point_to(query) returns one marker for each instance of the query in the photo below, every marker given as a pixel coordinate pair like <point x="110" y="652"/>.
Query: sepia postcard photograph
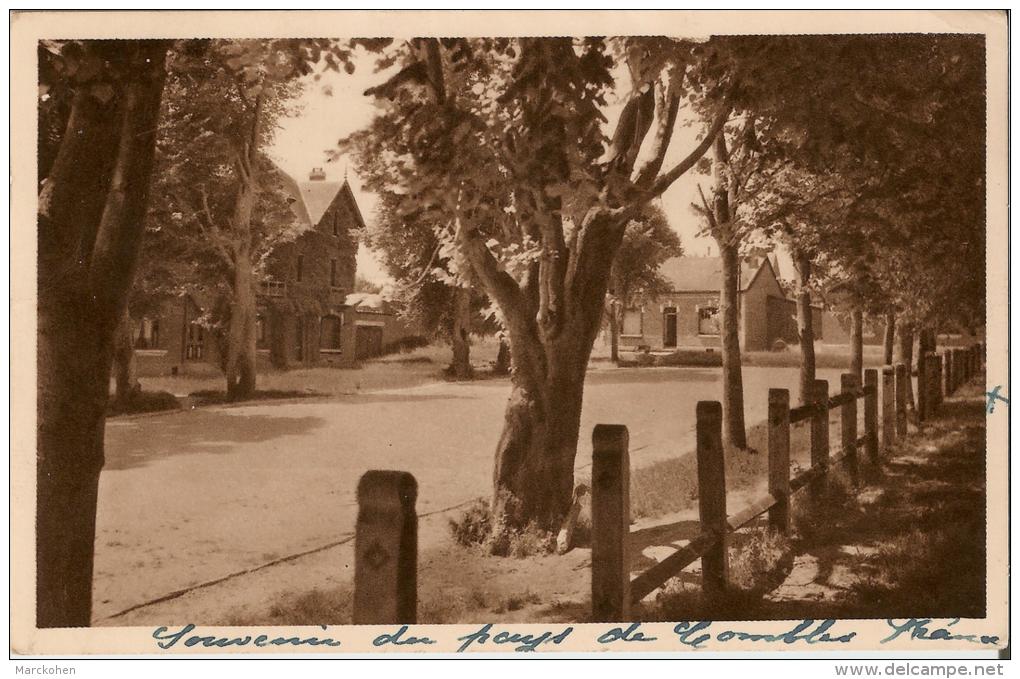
<point x="519" y="333"/>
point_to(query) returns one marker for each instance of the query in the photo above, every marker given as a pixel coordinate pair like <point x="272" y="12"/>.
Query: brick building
<point x="688" y="315"/>
<point x="308" y="312"/>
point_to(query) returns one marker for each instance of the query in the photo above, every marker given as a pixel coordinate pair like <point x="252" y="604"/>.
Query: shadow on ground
<point x="197" y="432"/>
<point x="908" y="540"/>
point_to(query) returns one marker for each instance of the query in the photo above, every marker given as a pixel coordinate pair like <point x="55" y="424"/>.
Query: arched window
<point x="329" y="333"/>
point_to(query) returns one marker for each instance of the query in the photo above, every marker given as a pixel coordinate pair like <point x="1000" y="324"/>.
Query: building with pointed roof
<point x="308" y="311"/>
<point x="687" y="316"/>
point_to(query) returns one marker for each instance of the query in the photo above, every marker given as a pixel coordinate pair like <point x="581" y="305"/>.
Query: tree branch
<point x="664" y="181"/>
<point x="667" y="104"/>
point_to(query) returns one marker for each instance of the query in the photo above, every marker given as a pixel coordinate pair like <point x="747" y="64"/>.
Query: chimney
<point x="317" y="175"/>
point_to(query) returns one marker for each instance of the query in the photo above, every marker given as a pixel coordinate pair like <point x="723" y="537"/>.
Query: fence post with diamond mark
<point x="386" y="549"/>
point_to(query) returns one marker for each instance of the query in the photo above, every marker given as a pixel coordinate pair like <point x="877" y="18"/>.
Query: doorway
<point x="669" y="327"/>
<point x="368" y="341"/>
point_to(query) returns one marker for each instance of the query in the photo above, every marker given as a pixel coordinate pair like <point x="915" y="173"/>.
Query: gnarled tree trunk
<point x="805" y="324"/>
<point x="91" y="216"/>
<point x="550" y="345"/>
<point x="460" y="335"/>
<point x="533" y="477"/>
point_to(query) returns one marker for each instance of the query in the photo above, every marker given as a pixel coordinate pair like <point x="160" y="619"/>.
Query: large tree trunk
<point x="91" y="217"/>
<point x="533" y="473"/>
<point x="905" y="355"/>
<point x="805" y="325"/>
<point x="733" y="384"/>
<point x="125" y="383"/>
<point x="533" y="477"/>
<point x="857" y="344"/>
<point x="460" y="335"/>
<point x="241" y="335"/>
<point x="888" y="340"/>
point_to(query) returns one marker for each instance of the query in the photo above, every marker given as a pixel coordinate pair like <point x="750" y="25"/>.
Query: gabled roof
<point x="702" y="274"/>
<point x="313" y="198"/>
<point x="317" y="197"/>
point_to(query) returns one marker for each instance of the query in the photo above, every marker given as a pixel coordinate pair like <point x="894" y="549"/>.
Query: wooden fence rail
<point x="386" y="539"/>
<point x="710" y="543"/>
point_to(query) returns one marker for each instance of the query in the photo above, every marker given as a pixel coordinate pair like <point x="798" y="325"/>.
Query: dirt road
<point x="190" y="497"/>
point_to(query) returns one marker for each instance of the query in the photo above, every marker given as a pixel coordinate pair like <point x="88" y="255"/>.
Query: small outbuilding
<point x="687" y="316"/>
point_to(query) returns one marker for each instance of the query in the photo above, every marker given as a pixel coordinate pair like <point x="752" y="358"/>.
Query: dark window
<point x="300" y="268"/>
<point x="329" y="333"/>
<point x="332" y="272"/>
<point x="708" y="320"/>
<point x="336" y="224"/>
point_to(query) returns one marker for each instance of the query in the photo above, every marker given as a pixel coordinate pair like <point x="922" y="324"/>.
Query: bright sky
<point x="304" y="140"/>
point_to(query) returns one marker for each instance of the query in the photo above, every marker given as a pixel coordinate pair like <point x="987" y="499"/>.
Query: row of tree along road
<point x="502" y="187"/>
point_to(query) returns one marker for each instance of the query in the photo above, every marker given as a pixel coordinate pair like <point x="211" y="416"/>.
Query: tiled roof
<point x="700" y="274"/>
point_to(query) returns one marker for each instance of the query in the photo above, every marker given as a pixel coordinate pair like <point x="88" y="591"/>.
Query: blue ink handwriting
<point x="818" y="635"/>
<point x="688" y="633"/>
<point x="620" y="634"/>
<point x="994" y="396"/>
<point x="918" y="629"/>
<point x="525" y="642"/>
<point x="166" y="639"/>
<point x="398" y="639"/>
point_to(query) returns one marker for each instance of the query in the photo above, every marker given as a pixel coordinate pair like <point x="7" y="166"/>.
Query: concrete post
<point x="610" y="524"/>
<point x="386" y="549"/>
